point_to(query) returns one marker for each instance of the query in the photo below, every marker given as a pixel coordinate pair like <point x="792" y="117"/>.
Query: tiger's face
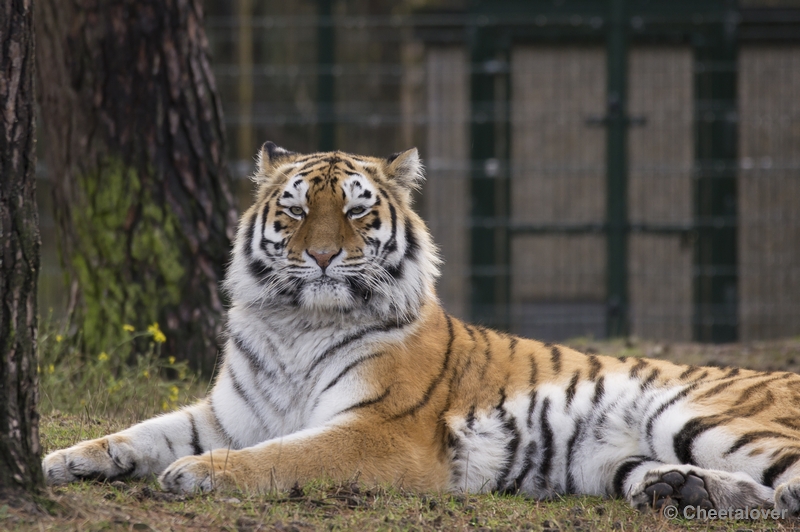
<point x="334" y="233"/>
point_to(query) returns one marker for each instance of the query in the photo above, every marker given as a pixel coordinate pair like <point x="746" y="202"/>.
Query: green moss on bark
<point x="128" y="259"/>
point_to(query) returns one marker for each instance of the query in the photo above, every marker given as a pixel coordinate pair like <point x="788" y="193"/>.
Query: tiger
<point x="339" y="362"/>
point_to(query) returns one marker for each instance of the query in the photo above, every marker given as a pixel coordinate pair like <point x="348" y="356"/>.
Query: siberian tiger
<point x="340" y="361"/>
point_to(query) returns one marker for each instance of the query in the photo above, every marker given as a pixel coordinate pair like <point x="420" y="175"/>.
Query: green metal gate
<point x="710" y="28"/>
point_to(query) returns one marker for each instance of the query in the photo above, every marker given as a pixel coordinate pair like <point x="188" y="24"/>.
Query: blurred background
<point x="595" y="168"/>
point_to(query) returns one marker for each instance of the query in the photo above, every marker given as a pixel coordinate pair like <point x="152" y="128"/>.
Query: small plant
<point x="130" y="378"/>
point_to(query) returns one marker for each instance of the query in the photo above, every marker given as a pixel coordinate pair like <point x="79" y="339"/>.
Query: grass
<point x="106" y="406"/>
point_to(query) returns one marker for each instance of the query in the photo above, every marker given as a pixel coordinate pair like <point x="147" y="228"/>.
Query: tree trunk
<point x="134" y="143"/>
<point x="20" y="467"/>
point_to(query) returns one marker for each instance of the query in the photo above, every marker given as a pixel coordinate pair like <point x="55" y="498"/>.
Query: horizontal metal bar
<point x="516" y="228"/>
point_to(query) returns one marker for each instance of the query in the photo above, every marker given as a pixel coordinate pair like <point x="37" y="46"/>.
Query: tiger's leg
<point x="144" y="449"/>
<point x="338" y="452"/>
<point x="689" y="486"/>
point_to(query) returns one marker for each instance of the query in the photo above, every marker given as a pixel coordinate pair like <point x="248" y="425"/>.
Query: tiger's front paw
<point x="103" y="458"/>
<point x="205" y="472"/>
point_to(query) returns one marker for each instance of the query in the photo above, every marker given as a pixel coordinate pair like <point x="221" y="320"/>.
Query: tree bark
<point x="20" y="469"/>
<point x="134" y="143"/>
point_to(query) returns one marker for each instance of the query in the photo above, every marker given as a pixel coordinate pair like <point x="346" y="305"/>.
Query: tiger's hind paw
<point x="685" y="486"/>
<point x="672" y="489"/>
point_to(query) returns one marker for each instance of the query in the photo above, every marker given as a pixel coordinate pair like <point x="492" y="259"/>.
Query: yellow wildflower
<point x="173" y="393"/>
<point x="59" y="338"/>
<point x="51" y="369"/>
<point x="164" y="405"/>
<point x="156" y="333"/>
<point x="102" y="357"/>
<point x="146" y="374"/>
<point x="129" y="328"/>
<point x="171" y="360"/>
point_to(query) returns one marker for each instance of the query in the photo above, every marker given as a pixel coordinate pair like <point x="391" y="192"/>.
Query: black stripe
<point x="487" y="353"/>
<point x="623" y="471"/>
<point x="196" y="448"/>
<point x="239" y="389"/>
<point x="512" y="347"/>
<point x="228" y="437"/>
<point x="599" y="390"/>
<point x="455" y="381"/>
<point x="509" y="426"/>
<point x="772" y="473"/>
<point x="530" y="449"/>
<point x="349" y="368"/>
<point x="731" y="373"/>
<point x="750" y="437"/>
<point x="715" y="390"/>
<point x="264" y="216"/>
<point x="650" y="378"/>
<point x="531" y="406"/>
<point x="789" y="422"/>
<point x="470" y="332"/>
<point x="571" y="446"/>
<point x="750" y="390"/>
<point x="663" y="408"/>
<point x="259" y="269"/>
<point x="367" y="402"/>
<point x="470" y="417"/>
<point x="249" y="234"/>
<point x="534" y="372"/>
<point x="266" y="395"/>
<point x="684" y="439"/>
<point x="169" y="445"/>
<point x="254" y="361"/>
<point x="689" y="371"/>
<point x="391" y="244"/>
<point x="426" y="397"/>
<point x="751" y="410"/>
<point x="594" y="367"/>
<point x="353" y="338"/>
<point x="547" y="441"/>
<point x="573" y="385"/>
<point x="502" y="401"/>
<point x="637" y="368"/>
<point x="555" y="358"/>
<point x="412" y="243"/>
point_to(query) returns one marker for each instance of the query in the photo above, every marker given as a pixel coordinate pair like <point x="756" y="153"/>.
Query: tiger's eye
<point x="355" y="211"/>
<point x="297" y="211"/>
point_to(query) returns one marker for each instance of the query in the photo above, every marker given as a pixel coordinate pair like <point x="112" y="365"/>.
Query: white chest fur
<point x="284" y="373"/>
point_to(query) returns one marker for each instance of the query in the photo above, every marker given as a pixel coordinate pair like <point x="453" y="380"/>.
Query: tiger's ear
<point x="406" y="168"/>
<point x="269" y="157"/>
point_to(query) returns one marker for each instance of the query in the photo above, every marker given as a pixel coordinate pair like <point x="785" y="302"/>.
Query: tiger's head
<point x="334" y="234"/>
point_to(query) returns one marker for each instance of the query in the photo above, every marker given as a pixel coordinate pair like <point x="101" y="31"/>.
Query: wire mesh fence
<point x="569" y="196"/>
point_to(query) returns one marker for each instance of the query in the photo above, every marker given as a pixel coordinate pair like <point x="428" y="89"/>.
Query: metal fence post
<point x="489" y="173"/>
<point x="715" y="194"/>
<point x="326" y="124"/>
<point x="617" y="171"/>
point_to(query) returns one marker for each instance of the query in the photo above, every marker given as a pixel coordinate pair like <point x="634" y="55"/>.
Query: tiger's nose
<point x="323" y="258"/>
